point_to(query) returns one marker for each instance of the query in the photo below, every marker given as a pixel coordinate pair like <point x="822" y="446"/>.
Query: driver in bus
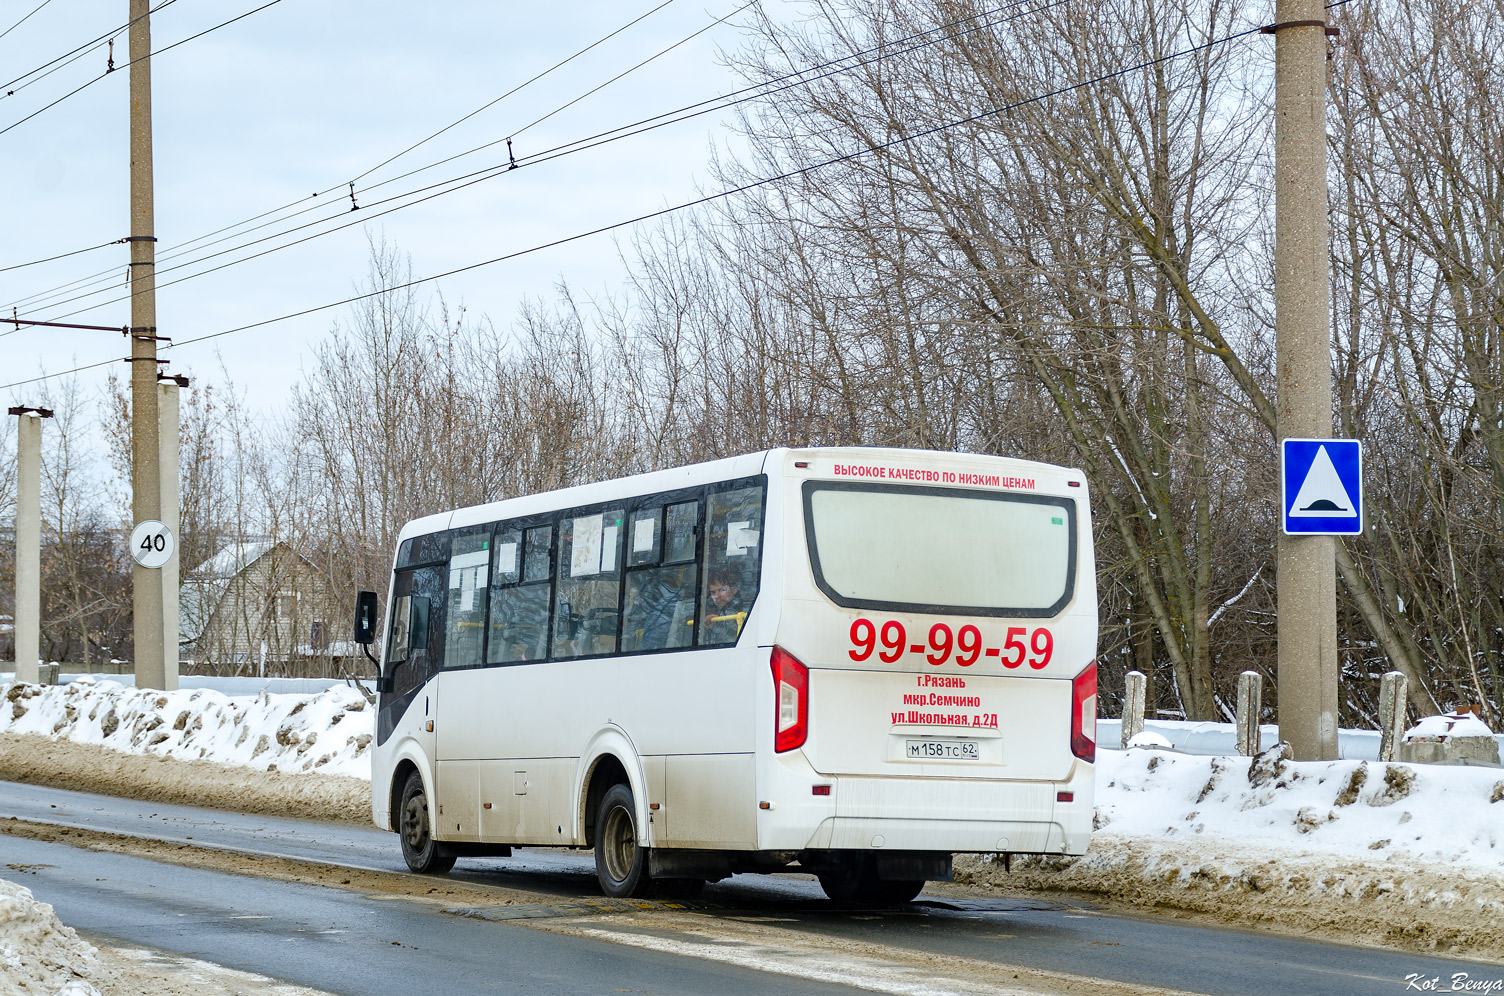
<point x="725" y="615"/>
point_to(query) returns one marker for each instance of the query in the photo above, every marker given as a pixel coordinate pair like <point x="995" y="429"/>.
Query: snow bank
<point x="328" y="732"/>
<point x="1437" y="813"/>
<point x="37" y="953"/>
<point x="1384" y="853"/>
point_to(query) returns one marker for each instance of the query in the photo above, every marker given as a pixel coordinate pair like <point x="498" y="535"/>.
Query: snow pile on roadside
<point x="1440" y="813"/>
<point x="1393" y="852"/>
<point x="37" y="953"/>
<point x="328" y="733"/>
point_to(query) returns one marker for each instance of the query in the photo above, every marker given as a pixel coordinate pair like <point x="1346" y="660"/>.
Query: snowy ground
<point x="328" y="732"/>
<point x="1387" y="853"/>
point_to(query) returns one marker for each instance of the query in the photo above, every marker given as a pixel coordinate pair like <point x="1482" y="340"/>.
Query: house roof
<point x="233" y="559"/>
<point x="201" y="594"/>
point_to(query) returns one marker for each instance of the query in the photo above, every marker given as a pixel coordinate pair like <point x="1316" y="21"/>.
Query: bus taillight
<point x="1084" y="714"/>
<point x="791" y="682"/>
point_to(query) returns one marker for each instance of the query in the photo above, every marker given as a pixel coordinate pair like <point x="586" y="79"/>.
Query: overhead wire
<point x="757" y="91"/>
<point x="626" y="72"/>
<point x="108" y="72"/>
<point x="902" y="139"/>
<point x="42" y="295"/>
<point x="10" y="88"/>
<point x="488" y="105"/>
<point x="24" y="19"/>
<point x="49" y="259"/>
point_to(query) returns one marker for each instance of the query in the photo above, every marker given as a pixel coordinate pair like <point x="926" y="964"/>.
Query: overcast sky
<point x="306" y="95"/>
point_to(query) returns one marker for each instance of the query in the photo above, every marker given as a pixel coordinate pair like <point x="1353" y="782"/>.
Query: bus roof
<point x="728" y="468"/>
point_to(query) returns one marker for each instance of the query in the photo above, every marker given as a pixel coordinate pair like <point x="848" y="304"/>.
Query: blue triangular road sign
<point x="1322" y="486"/>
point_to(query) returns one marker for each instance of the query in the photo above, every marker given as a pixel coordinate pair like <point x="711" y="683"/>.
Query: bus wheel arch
<point x="400" y="775"/>
<point x="606" y="771"/>
<point x="609" y="760"/>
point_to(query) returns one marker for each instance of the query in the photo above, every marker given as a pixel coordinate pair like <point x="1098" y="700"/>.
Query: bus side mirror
<point x="365" y="618"/>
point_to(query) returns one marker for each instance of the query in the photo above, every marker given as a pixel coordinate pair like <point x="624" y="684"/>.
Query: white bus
<point x="853" y="662"/>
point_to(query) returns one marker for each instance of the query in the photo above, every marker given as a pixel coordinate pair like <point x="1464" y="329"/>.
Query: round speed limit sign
<point x="151" y="543"/>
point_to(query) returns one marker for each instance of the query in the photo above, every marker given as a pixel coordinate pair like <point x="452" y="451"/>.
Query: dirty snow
<point x="38" y="955"/>
<point x="1395" y="854"/>
<point x="328" y="732"/>
<point x="1354" y="809"/>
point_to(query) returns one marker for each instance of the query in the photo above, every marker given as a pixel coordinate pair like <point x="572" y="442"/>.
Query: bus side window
<point x="425" y="549"/>
<point x="520" y="580"/>
<point x="469" y="567"/>
<point x="396" y="647"/>
<point x="590" y="555"/>
<point x="419" y="626"/>
<point x="645" y="537"/>
<point x="415" y="645"/>
<point x="659" y="609"/>
<point x="733" y="560"/>
<point x="679" y="535"/>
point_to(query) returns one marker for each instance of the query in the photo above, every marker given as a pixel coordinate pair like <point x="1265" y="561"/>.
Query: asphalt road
<point x="204" y="914"/>
<point x="343" y="942"/>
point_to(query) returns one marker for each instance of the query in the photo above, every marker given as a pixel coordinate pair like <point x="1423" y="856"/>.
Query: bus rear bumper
<point x="957" y="815"/>
<point x="958" y="836"/>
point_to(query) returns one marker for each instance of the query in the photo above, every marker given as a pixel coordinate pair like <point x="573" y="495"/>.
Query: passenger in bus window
<point x="724" y="615"/>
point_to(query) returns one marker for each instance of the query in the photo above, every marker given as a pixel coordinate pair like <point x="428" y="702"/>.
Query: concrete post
<point x="1307" y="579"/>
<point x="1133" y="706"/>
<point x="1250" y="705"/>
<point x="28" y="545"/>
<point x="167" y="405"/>
<point x="1392" y="692"/>
<point x="146" y="499"/>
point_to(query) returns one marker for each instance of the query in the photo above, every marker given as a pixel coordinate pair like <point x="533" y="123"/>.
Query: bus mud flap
<point x="913" y="866"/>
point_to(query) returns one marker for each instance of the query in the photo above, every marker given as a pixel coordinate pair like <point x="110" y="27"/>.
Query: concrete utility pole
<point x="1307" y="584"/>
<point x="28" y="621"/>
<point x="167" y="397"/>
<point x="145" y="477"/>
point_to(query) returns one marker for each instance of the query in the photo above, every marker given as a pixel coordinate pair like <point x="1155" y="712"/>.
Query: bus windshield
<point x="941" y="550"/>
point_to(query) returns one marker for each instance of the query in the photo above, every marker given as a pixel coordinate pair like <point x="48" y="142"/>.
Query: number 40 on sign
<point x="151" y="543"/>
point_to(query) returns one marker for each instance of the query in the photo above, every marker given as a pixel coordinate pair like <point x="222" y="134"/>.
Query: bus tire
<point x="621" y="864"/>
<point x="856" y="882"/>
<point x="841" y="885"/>
<point x="422" y="853"/>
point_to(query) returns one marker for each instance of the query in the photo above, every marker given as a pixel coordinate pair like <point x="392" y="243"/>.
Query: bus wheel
<point x="842" y="885"/>
<point x="423" y="854"/>
<point x="620" y="864"/>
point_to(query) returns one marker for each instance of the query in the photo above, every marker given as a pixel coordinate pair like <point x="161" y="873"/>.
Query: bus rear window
<point x="941" y="550"/>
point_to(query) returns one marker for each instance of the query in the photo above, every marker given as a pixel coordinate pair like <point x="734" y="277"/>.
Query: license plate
<point x="943" y="750"/>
